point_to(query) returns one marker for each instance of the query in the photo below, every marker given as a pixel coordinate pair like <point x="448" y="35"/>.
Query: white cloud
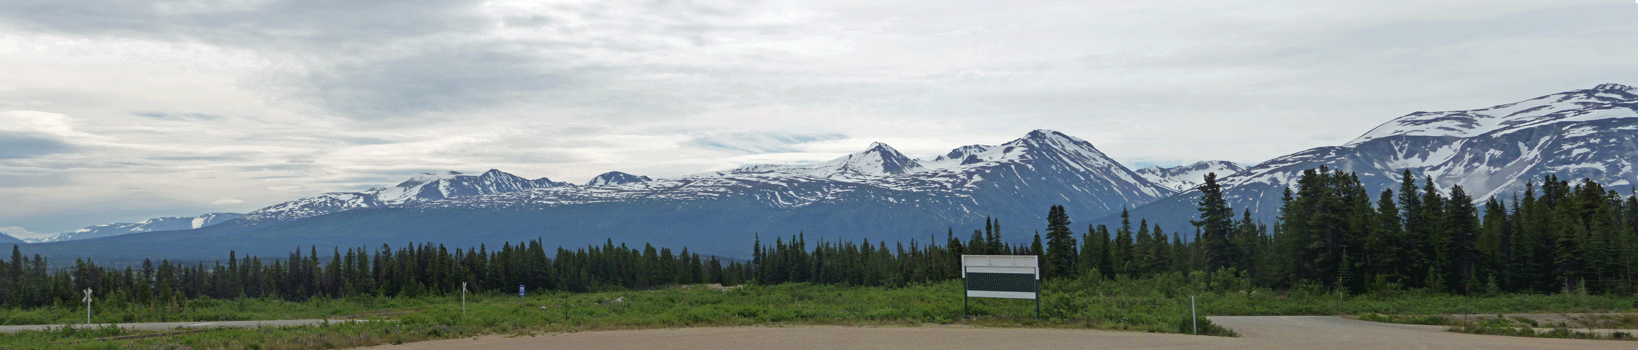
<point x="227" y="201"/>
<point x="191" y="103"/>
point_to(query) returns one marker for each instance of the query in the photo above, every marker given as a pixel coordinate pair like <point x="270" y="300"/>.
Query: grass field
<point x="1159" y="304"/>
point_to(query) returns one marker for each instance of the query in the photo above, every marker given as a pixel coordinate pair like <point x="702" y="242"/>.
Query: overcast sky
<point x="124" y="110"/>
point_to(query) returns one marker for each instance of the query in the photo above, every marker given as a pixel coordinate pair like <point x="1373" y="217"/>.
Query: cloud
<point x="276" y="23"/>
<point x="440" y="79"/>
<point x="177" y="116"/>
<point x="32" y="180"/>
<point x="758" y="143"/>
<point x="20" y="145"/>
<point x="115" y="104"/>
<point x="227" y="201"/>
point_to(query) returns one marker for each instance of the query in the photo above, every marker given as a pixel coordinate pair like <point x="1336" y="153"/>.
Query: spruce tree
<point x="1462" y="232"/>
<point x="1216" y="220"/>
<point x="1060" y="252"/>
<point x="1123" y="245"/>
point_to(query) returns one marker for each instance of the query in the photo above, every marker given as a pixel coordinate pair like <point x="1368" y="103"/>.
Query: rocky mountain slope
<point x="1186" y="177"/>
<point x="423" y="187"/>
<point x="149" y="225"/>
<point x="878" y="193"/>
<point x="1494" y="151"/>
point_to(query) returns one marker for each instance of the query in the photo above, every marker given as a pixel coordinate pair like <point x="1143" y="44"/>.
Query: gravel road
<point x="1257" y="332"/>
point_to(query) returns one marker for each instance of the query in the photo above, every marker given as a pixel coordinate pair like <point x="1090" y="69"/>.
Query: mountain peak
<point x="1187" y="177"/>
<point x="1615" y="87"/>
<point x="1606" y="101"/>
<point x="1044" y="134"/>
<point x="422" y="178"/>
<point x="616" y="178"/>
<point x="878" y="159"/>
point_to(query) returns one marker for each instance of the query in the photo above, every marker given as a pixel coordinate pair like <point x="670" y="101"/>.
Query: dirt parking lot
<point x="1257" y="332"/>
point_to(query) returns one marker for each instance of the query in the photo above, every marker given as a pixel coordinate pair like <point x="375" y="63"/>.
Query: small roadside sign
<point x="87" y="301"/>
<point x="1002" y="276"/>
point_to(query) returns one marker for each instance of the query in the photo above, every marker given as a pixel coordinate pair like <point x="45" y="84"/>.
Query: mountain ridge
<point x="877" y="193"/>
<point x="169" y="223"/>
<point x="1586" y="133"/>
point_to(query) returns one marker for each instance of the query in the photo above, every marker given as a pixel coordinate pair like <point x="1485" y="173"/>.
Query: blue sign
<point x="520" y="291"/>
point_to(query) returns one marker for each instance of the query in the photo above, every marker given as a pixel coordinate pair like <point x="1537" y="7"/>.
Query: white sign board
<point x="1001" y="276"/>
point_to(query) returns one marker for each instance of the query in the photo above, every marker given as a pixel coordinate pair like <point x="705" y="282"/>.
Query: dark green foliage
<point x="1216" y="226"/>
<point x="1060" y="258"/>
<point x="1569" y="239"/>
<point x="414" y="270"/>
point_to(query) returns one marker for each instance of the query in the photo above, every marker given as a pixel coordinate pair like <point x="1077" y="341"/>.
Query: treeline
<point x="412" y="270"/>
<point x="1554" y="237"/>
<point x="1331" y="234"/>
<point x="876" y="264"/>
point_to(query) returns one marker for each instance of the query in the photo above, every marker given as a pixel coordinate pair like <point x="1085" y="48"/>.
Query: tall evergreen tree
<point x="1122" y="252"/>
<point x="1462" y="233"/>
<point x="1216" y="224"/>
<point x="1060" y="252"/>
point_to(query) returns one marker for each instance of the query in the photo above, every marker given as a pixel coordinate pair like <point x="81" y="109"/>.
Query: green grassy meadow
<point x="1156" y="304"/>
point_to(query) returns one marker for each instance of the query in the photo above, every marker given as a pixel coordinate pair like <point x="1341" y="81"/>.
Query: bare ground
<point x="1257" y="332"/>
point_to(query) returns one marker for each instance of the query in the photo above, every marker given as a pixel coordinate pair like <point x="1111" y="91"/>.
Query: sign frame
<point x="1001" y="276"/>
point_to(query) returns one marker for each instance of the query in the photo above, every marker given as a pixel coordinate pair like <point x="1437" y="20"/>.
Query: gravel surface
<point x="1257" y="332"/>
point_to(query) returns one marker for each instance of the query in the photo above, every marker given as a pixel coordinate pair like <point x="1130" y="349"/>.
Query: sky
<point x="118" y="111"/>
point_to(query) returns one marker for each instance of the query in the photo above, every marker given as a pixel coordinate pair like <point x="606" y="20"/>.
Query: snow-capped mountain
<point x="149" y="225"/>
<point x="877" y="193"/>
<point x="1045" y="166"/>
<point x="423" y="187"/>
<point x="615" y="178"/>
<point x="1187" y="177"/>
<point x="1494" y="151"/>
<point x="875" y="161"/>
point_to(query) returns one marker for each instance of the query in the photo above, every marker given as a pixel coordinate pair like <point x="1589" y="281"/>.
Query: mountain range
<point x="878" y="193"/>
<point x="150" y="225"/>
<point x="881" y="194"/>
<point x="1494" y="151"/>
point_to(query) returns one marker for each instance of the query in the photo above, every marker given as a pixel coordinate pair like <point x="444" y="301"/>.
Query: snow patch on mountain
<point x="149" y="225"/>
<point x="877" y="160"/>
<point x="1490" y="152"/>
<point x="419" y="188"/>
<point x="1018" y="178"/>
<point x="1040" y="158"/>
<point x="615" y="178"/>
<point x="1606" y="101"/>
<point x="1187" y="177"/>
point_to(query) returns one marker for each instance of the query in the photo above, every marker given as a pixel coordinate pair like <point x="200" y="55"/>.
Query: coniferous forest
<point x="1555" y="236"/>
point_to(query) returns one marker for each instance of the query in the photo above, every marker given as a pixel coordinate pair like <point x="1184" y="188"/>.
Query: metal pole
<point x="1037" y="298"/>
<point x="965" y="286"/>
<point x="88" y="307"/>
<point x="1194" y="315"/>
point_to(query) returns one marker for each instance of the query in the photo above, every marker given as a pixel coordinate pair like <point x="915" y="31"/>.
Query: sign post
<point x="1194" y="316"/>
<point x="1001" y="276"/>
<point x="520" y="291"/>
<point x="463" y="299"/>
<point x="87" y="301"/>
